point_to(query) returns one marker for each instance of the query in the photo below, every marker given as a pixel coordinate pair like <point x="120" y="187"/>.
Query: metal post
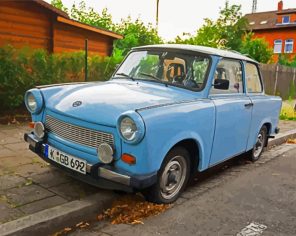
<point x="294" y="71"/>
<point x="86" y="64"/>
<point x="157" y="11"/>
<point x="276" y="79"/>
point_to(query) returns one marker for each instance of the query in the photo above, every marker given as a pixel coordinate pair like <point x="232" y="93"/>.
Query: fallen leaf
<point x="67" y="229"/>
<point x="137" y="222"/>
<point x="131" y="209"/>
<point x="100" y="217"/>
<point x="291" y="141"/>
<point x="77" y="225"/>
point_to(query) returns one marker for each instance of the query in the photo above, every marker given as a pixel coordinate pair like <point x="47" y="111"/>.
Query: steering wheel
<point x="178" y="79"/>
<point x="190" y="83"/>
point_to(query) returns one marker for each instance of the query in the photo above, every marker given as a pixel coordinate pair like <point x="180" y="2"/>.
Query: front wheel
<point x="258" y="148"/>
<point x="172" y="177"/>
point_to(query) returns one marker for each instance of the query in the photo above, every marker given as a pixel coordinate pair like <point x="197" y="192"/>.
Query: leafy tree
<point x="256" y="48"/>
<point x="136" y="33"/>
<point x="59" y="4"/>
<point x="285" y="60"/>
<point x="226" y="32"/>
<point x="89" y="16"/>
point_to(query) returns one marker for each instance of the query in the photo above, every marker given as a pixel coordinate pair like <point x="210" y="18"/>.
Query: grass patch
<point x="288" y="112"/>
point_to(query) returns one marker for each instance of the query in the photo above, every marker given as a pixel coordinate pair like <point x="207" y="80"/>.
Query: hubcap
<point x="259" y="144"/>
<point x="173" y="177"/>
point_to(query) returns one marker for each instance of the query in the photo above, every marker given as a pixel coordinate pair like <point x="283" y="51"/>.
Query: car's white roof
<point x="201" y="49"/>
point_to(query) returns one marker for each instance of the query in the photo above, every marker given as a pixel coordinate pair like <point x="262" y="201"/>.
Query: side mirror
<point x="222" y="84"/>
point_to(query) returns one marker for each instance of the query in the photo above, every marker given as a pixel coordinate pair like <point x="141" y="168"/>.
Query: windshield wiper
<point x="151" y="76"/>
<point x="126" y="75"/>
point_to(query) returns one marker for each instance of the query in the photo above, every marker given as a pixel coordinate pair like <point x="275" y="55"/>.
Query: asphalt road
<point x="253" y="199"/>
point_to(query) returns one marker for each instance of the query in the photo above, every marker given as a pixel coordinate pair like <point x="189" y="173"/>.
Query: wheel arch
<point x="194" y="145"/>
<point x="268" y="125"/>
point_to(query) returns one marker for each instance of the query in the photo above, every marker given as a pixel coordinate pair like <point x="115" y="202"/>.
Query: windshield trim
<point x="180" y="51"/>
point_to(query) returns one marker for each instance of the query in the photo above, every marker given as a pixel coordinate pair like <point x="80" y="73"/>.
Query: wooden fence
<point x="278" y="79"/>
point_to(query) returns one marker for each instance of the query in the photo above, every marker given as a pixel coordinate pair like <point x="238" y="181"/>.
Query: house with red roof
<point x="277" y="27"/>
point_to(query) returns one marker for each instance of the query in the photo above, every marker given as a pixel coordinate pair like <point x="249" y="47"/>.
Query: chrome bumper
<point x="96" y="172"/>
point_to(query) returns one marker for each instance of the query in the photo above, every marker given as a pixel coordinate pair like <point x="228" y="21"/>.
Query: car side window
<point x="230" y="70"/>
<point x="253" y="79"/>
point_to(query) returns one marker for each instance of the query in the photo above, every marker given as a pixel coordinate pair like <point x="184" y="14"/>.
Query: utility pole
<point x="254" y="7"/>
<point x="157" y="11"/>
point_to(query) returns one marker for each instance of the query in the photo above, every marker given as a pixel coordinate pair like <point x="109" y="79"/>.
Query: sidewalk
<point x="29" y="185"/>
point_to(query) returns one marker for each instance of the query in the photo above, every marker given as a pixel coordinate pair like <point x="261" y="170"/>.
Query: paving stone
<point x="5" y="152"/>
<point x="11" y="181"/>
<point x="14" y="131"/>
<point x="15" y="161"/>
<point x="27" y="194"/>
<point x="25" y="153"/>
<point x="7" y="213"/>
<point x="17" y="146"/>
<point x="29" y="170"/>
<point x="4" y="139"/>
<point x="51" y="178"/>
<point x="74" y="190"/>
<point x="42" y="204"/>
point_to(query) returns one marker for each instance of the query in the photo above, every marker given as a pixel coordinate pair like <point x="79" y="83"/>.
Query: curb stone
<point x="281" y="138"/>
<point x="53" y="219"/>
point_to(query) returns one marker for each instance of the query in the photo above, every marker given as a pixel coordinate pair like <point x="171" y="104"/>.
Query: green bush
<point x="22" y="69"/>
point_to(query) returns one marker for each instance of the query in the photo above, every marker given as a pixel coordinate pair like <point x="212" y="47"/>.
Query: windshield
<point x="185" y="70"/>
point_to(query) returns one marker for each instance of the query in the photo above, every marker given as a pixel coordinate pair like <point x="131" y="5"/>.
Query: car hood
<point x="104" y="102"/>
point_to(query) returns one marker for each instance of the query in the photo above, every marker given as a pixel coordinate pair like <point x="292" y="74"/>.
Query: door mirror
<point x="222" y="84"/>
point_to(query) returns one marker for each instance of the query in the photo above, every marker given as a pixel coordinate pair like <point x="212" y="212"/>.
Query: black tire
<point x="258" y="148"/>
<point x="178" y="158"/>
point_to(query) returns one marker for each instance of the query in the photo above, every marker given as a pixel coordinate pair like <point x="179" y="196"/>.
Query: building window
<point x="277" y="46"/>
<point x="289" y="45"/>
<point x="286" y="19"/>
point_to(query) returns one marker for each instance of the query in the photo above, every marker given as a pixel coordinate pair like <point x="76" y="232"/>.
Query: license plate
<point x="65" y="159"/>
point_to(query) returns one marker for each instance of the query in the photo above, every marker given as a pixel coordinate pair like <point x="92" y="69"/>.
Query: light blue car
<point x="167" y="112"/>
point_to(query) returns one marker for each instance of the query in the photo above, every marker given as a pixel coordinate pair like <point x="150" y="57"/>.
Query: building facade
<point x="277" y="27"/>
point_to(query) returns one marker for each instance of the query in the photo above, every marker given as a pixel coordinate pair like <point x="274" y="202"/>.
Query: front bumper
<point x="100" y="175"/>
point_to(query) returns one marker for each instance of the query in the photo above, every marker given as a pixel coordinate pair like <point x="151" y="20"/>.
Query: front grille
<point x="77" y="134"/>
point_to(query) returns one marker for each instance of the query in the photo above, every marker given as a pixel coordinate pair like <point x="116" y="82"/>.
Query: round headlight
<point x="128" y="128"/>
<point x="39" y="130"/>
<point x="32" y="103"/>
<point x="105" y="153"/>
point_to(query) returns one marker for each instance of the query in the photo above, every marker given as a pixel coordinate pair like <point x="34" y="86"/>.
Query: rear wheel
<point x="172" y="177"/>
<point x="258" y="148"/>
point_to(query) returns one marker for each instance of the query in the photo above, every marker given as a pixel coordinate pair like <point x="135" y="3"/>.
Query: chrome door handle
<point x="249" y="104"/>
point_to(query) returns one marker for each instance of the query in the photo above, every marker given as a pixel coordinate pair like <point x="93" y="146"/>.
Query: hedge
<point x="22" y="69"/>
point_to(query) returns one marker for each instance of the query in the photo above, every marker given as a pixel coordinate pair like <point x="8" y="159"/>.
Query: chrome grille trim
<point x="80" y="135"/>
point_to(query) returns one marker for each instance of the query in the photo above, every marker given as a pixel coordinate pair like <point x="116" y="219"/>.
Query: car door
<point x="261" y="103"/>
<point x="233" y="112"/>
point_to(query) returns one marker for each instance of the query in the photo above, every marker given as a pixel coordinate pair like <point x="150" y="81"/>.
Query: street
<point x="244" y="199"/>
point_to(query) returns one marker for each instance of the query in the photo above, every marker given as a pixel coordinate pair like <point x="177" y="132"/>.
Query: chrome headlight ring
<point x="34" y="100"/>
<point x="131" y="127"/>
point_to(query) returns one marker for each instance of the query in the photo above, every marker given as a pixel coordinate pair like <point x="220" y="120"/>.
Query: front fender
<point x="203" y="162"/>
<point x="166" y="126"/>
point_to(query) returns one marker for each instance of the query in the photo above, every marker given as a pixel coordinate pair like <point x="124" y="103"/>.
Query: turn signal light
<point x="129" y="159"/>
<point x="31" y="125"/>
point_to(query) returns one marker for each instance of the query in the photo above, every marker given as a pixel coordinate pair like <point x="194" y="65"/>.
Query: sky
<point x="175" y="17"/>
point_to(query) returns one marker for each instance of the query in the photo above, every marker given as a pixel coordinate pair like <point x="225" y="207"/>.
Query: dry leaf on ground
<point x="291" y="141"/>
<point x="131" y="209"/>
